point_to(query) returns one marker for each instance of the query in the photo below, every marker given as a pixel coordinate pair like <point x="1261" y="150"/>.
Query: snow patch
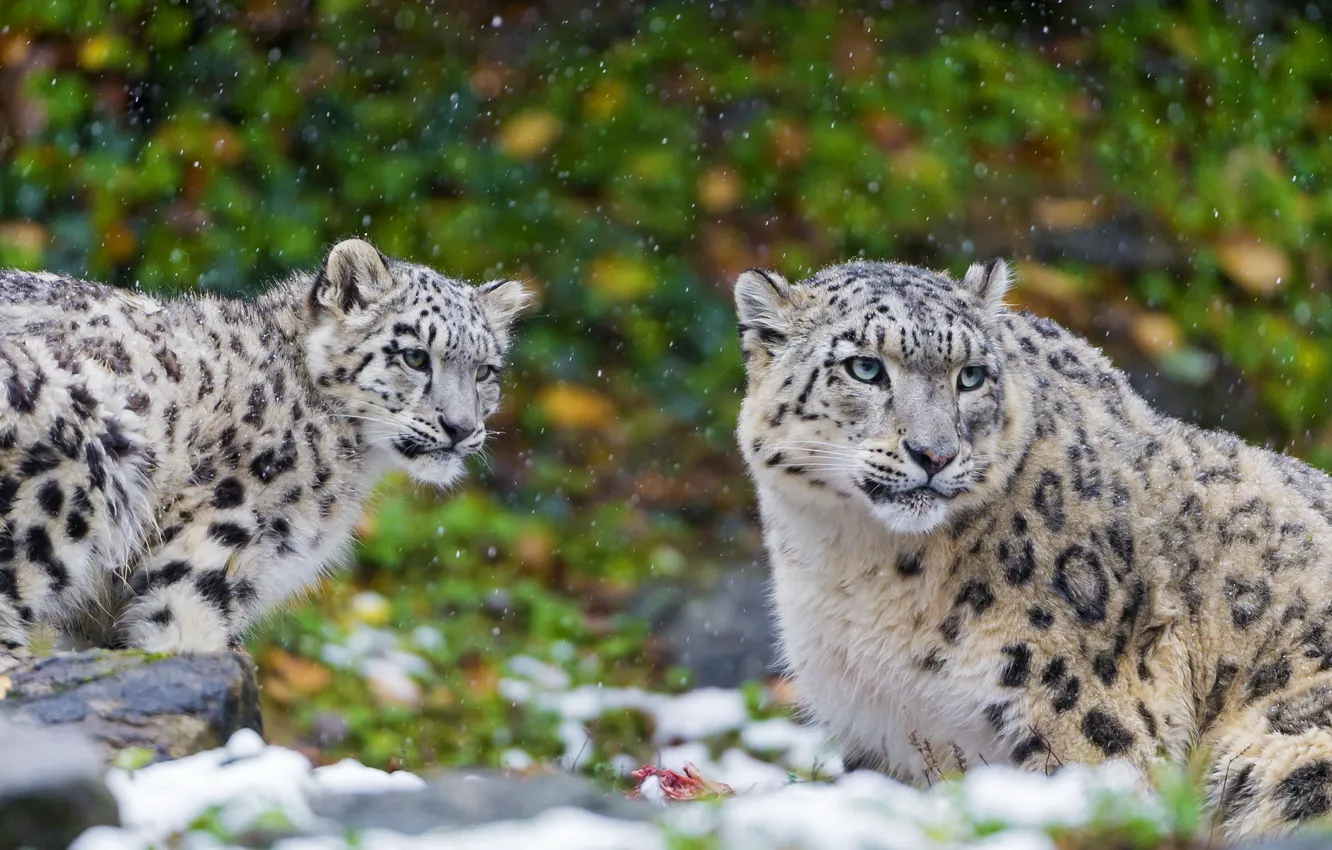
<point x="243" y="782"/>
<point x="350" y="776"/>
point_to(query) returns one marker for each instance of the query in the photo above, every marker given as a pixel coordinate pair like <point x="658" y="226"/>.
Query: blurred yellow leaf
<point x="26" y="236"/>
<point x="487" y="82"/>
<point x="1312" y="359"/>
<point x="1246" y="161"/>
<point x="96" y="51"/>
<point x="535" y="549"/>
<point x="918" y="164"/>
<point x="279" y="691"/>
<point x="1063" y="213"/>
<point x="575" y="407"/>
<point x="369" y="608"/>
<point x="605" y="99"/>
<point x="440" y="697"/>
<point x="1182" y="40"/>
<point x="301" y="675"/>
<point x="1155" y="333"/>
<point x="620" y="278"/>
<point x="1255" y="267"/>
<point x="719" y="189"/>
<point x="482" y="680"/>
<point x="14" y="49"/>
<point x="529" y="134"/>
<point x="655" y="166"/>
<point x="1048" y="282"/>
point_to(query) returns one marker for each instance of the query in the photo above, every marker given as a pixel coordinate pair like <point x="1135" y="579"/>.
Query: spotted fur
<point x="1036" y="570"/>
<point x="171" y="469"/>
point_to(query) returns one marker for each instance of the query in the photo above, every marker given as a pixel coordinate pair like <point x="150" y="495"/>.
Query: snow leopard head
<point x="413" y="356"/>
<point x="877" y="383"/>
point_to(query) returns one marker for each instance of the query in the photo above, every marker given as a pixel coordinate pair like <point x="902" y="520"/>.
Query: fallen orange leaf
<point x="302" y="675"/>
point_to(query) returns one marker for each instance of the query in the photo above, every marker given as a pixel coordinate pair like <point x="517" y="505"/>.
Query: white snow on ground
<point x="556" y="829"/>
<point x="682" y="722"/>
<point x="350" y="776"/>
<point x="1030" y="799"/>
<point x="704" y="713"/>
<point x="376" y="655"/>
<point x="246" y="780"/>
<point x="992" y="808"/>
<point x="246" y="776"/>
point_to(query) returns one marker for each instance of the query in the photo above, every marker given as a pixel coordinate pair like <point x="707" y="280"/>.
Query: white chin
<point x="437" y="472"/>
<point x="920" y="516"/>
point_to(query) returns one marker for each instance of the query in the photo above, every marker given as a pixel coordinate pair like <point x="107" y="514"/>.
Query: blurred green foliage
<point x="1161" y="173"/>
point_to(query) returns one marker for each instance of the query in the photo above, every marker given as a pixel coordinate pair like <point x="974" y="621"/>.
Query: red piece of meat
<point x="690" y="785"/>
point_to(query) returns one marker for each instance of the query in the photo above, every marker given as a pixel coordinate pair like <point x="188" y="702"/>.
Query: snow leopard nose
<point x="929" y="460"/>
<point x="457" y="432"/>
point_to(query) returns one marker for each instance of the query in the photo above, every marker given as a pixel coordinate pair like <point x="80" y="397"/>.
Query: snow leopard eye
<point x="867" y="370"/>
<point x="416" y="358"/>
<point x="485" y="372"/>
<point x="970" y="378"/>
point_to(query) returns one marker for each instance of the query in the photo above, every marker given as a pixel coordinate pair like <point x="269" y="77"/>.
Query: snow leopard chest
<point x="869" y="664"/>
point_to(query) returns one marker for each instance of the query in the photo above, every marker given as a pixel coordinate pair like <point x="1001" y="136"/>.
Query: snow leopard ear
<point x="354" y="275"/>
<point x="765" y="304"/>
<point x="988" y="281"/>
<point x="502" y="301"/>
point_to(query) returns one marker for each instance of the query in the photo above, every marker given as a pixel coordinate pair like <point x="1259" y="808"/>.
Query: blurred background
<point x="1159" y="172"/>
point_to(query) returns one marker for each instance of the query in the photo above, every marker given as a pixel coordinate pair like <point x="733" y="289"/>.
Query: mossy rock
<point x="165" y="706"/>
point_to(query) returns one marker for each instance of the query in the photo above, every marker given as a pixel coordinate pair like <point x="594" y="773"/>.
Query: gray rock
<point x="725" y="637"/>
<point x="1128" y="243"/>
<point x="51" y="787"/>
<point x="162" y="707"/>
<point x="1315" y="840"/>
<point x="467" y="799"/>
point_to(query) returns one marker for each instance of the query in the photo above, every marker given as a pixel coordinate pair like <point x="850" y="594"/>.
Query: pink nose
<point x="929" y="460"/>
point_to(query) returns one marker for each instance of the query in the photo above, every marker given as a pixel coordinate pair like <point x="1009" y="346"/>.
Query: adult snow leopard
<point x="986" y="548"/>
<point x="170" y="469"/>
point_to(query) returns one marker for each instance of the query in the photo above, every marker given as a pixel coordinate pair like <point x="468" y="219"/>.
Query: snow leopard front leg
<point x="216" y="572"/>
<point x="188" y="595"/>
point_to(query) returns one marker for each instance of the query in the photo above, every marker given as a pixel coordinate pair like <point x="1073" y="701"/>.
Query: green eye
<point x="970" y="377"/>
<point x="868" y="370"/>
<point x="416" y="358"/>
<point x="485" y="372"/>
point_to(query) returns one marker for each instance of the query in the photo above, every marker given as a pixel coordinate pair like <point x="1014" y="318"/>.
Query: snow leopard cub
<point x="170" y="469"/>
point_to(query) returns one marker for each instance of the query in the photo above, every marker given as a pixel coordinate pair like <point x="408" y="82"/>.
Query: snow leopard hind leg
<point x="72" y="493"/>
